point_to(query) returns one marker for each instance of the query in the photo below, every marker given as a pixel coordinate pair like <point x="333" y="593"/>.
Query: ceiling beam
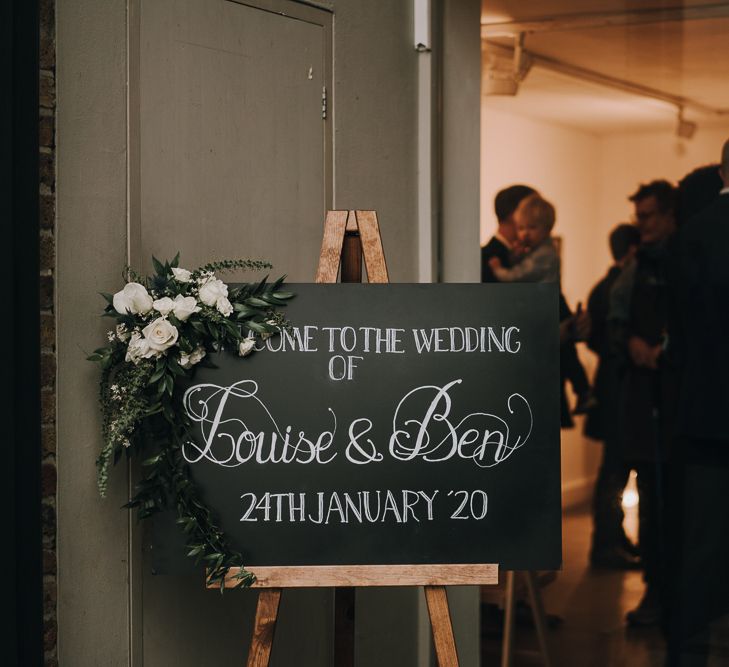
<point x="587" y="20"/>
<point x="584" y="74"/>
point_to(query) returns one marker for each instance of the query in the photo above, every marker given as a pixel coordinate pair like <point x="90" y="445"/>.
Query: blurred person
<point x="534" y="219"/>
<point x="638" y="320"/>
<point x="611" y="548"/>
<point x="698" y="334"/>
<point x="501" y="244"/>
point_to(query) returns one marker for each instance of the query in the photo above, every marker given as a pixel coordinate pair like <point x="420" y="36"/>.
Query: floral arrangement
<point x="166" y="325"/>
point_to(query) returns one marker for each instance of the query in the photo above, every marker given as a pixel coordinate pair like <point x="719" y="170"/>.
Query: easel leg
<point x="264" y="627"/>
<point x="440" y="622"/>
<point x="344" y="627"/>
<point x="507" y="641"/>
<point x="535" y="598"/>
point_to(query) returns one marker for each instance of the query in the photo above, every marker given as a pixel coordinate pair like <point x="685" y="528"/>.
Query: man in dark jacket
<point x="611" y="548"/>
<point x="639" y="320"/>
<point x="701" y="514"/>
<point x="501" y="243"/>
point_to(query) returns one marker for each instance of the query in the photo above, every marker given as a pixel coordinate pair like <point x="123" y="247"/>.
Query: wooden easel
<point x="537" y="608"/>
<point x="348" y="235"/>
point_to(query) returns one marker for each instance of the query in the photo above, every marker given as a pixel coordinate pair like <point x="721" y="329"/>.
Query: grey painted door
<point x="233" y="160"/>
<point x="234" y="151"/>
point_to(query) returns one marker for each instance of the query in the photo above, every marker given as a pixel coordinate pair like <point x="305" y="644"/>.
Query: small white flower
<point x="195" y="357"/>
<point x="122" y="333"/>
<point x="225" y="308"/>
<point x="139" y="349"/>
<point x="181" y="275"/>
<point x="204" y="277"/>
<point x="212" y="290"/>
<point x="246" y="347"/>
<point x="111" y="336"/>
<point x="133" y="299"/>
<point x="184" y="306"/>
<point x="164" y="305"/>
<point x="160" y="334"/>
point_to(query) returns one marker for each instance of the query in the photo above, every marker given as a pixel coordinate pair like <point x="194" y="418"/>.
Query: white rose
<point x="224" y="306"/>
<point x="212" y="290"/>
<point x="184" y="306"/>
<point x="160" y="334"/>
<point x="132" y="299"/>
<point x="181" y="275"/>
<point x="246" y="347"/>
<point x="164" y="305"/>
<point x="195" y="357"/>
<point x="138" y="348"/>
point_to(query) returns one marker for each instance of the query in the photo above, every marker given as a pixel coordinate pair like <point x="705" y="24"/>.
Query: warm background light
<point x="630" y="495"/>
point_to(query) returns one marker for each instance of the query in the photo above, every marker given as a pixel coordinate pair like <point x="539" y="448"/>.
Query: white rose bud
<point x="160" y="334"/>
<point x="181" y="275"/>
<point x="132" y="299"/>
<point x="268" y="334"/>
<point x="212" y="290"/>
<point x="224" y="306"/>
<point x="164" y="305"/>
<point x="187" y="361"/>
<point x="184" y="306"/>
<point x="139" y="348"/>
<point x="246" y="347"/>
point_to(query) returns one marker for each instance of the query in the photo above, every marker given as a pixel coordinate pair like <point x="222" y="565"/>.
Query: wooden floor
<point x="592" y="605"/>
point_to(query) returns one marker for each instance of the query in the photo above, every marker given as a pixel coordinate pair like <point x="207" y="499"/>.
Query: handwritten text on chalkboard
<point x="390" y="424"/>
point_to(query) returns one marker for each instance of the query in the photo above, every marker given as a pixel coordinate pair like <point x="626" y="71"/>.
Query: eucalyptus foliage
<point x="166" y="325"/>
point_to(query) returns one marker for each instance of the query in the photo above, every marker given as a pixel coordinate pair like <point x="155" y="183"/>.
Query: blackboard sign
<point x="394" y="424"/>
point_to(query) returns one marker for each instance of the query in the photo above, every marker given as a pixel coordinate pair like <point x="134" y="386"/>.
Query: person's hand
<point x="642" y="354"/>
<point x="518" y="250"/>
<point x="495" y="263"/>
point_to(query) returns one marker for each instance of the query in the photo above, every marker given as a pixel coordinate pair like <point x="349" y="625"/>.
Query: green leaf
<point x="174" y="366"/>
<point x="158" y="267"/>
<point x="156" y="375"/>
<point x="255" y="301"/>
<point x="256" y="326"/>
<point x="175" y="263"/>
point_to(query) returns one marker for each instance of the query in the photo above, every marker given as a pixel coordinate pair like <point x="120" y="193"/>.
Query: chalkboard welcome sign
<point x="394" y="424"/>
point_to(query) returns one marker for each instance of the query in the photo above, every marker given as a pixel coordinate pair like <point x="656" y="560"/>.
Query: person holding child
<point x="534" y="219"/>
<point x="540" y="263"/>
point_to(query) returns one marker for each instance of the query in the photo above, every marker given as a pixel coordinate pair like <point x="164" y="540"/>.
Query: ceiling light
<point x="502" y="75"/>
<point x="685" y="128"/>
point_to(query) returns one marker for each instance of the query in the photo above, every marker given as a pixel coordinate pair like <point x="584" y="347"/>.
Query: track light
<point x="684" y="128"/>
<point x="503" y="76"/>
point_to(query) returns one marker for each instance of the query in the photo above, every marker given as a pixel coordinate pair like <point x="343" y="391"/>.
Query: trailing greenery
<point x="166" y="325"/>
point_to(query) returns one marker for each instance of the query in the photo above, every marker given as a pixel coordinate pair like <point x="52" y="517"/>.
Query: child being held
<point x="534" y="220"/>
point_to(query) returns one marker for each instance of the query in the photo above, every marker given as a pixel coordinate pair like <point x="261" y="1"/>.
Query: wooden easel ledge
<point x="313" y="576"/>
